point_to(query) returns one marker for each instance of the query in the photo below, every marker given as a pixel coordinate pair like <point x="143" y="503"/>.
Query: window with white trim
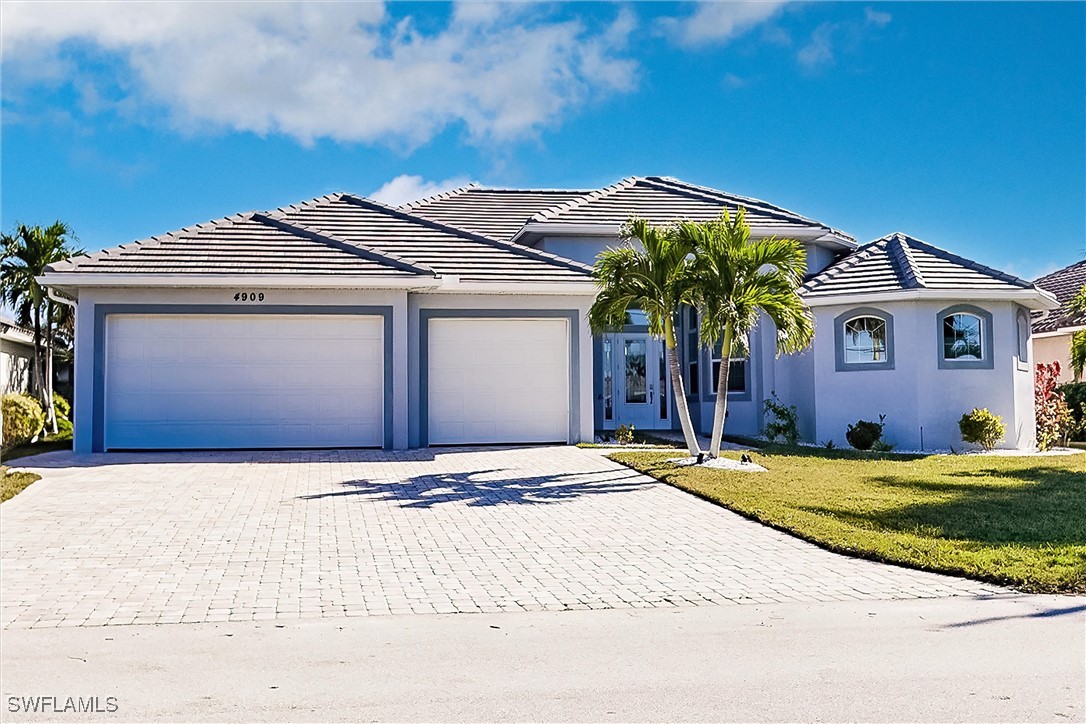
<point x="737" y="371"/>
<point x="692" y="355"/>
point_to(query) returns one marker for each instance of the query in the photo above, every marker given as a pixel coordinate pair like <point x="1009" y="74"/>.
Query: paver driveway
<point x="194" y="537"/>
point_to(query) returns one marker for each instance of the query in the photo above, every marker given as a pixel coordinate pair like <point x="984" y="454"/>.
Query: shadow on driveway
<point x="489" y="487"/>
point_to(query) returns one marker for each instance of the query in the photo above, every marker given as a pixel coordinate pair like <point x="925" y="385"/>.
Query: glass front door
<point x="639" y="371"/>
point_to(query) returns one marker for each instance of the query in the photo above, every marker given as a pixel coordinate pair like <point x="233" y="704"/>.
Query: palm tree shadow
<point x="1034" y="509"/>
<point x="487" y="488"/>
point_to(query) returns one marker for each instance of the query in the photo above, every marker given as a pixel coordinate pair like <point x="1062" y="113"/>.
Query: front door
<point x="641" y="391"/>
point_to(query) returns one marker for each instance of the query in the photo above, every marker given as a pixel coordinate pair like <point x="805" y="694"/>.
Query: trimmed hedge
<point x="23" y="419"/>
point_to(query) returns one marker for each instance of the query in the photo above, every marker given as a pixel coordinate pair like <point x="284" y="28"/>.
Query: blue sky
<point x="963" y="124"/>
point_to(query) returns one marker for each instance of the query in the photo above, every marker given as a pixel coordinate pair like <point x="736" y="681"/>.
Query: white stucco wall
<point x="917" y="393"/>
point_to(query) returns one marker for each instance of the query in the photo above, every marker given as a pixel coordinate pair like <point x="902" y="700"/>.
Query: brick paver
<point x="197" y="537"/>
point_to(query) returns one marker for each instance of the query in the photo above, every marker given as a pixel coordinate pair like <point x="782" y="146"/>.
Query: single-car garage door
<point x="243" y="381"/>
<point x="498" y="381"/>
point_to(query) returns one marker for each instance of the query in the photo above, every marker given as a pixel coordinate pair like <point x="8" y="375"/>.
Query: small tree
<point x="1053" y="416"/>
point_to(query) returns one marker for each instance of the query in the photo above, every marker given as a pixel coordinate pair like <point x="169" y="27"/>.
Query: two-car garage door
<point x="243" y="381"/>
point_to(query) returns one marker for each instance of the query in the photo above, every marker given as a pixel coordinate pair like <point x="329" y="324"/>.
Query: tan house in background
<point x="1052" y="330"/>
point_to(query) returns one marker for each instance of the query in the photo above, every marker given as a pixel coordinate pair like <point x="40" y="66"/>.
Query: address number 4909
<point x="249" y="297"/>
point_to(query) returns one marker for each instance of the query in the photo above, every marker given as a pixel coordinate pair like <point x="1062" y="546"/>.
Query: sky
<point x="961" y="124"/>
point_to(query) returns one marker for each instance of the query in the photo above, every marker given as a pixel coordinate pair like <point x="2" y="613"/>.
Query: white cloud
<point x="718" y="22"/>
<point x="822" y="49"/>
<point x="406" y="188"/>
<point x="877" y="17"/>
<point x="341" y="70"/>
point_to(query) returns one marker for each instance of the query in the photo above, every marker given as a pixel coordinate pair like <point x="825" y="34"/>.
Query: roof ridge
<point x="910" y="272"/>
<point x="681" y="186"/>
<point x="1060" y="272"/>
<point x="967" y="263"/>
<point x="470" y="235"/>
<point x="361" y="250"/>
<point x="548" y="214"/>
<point x="440" y="195"/>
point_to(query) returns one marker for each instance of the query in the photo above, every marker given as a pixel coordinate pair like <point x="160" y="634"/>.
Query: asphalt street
<point x="1009" y="658"/>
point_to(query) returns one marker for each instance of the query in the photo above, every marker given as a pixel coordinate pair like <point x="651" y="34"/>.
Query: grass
<point x="11" y="484"/>
<point x="1017" y="521"/>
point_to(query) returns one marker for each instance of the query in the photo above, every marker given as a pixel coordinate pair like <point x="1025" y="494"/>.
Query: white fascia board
<point x="1061" y="332"/>
<point x="455" y="286"/>
<point x="832" y="239"/>
<point x="71" y="281"/>
<point x="557" y="228"/>
<point x="1029" y="298"/>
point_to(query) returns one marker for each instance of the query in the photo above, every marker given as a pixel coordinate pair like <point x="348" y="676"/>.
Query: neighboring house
<point x="461" y="319"/>
<point x="16" y="353"/>
<point x="1052" y="330"/>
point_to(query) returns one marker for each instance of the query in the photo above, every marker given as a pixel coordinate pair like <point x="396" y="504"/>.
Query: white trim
<point x="279" y="281"/>
<point x="1030" y="298"/>
<point x="1059" y="332"/>
<point x="455" y="286"/>
<point x="556" y="228"/>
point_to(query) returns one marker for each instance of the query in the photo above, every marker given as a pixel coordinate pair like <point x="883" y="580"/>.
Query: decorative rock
<point x="719" y="464"/>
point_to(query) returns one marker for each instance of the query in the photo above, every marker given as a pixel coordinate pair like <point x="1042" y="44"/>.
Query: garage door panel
<point x="498" y="380"/>
<point x="222" y="381"/>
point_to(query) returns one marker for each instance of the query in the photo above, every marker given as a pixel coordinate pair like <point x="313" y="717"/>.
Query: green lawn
<point x="1019" y="521"/>
<point x="13" y="483"/>
<point x="60" y="442"/>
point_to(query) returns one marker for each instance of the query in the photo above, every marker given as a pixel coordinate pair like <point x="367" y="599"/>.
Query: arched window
<point x="1023" y="323"/>
<point x="963" y="337"/>
<point x="865" y="340"/>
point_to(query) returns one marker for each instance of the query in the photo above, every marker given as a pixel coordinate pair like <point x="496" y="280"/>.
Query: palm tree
<point x="655" y="280"/>
<point x="738" y="279"/>
<point x="1078" y="339"/>
<point x="25" y="255"/>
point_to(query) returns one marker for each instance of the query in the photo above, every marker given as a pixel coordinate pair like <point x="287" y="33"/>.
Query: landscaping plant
<point x="624" y="435"/>
<point x="655" y="277"/>
<point x="738" y="279"/>
<point x="784" y="425"/>
<point x="1074" y="394"/>
<point x="864" y="434"/>
<point x="982" y="427"/>
<point x="23" y="420"/>
<point x="1054" y="419"/>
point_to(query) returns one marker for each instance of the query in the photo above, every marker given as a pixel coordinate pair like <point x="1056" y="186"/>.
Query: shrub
<point x="1074" y="394"/>
<point x="624" y="435"/>
<point x="62" y="406"/>
<point x="1054" y="419"/>
<point x="882" y="446"/>
<point x="982" y="427"/>
<point x="23" y="419"/>
<point x="864" y="434"/>
<point x="785" y="422"/>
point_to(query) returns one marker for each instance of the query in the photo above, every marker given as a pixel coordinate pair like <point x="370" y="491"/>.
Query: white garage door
<point x="498" y="381"/>
<point x="243" y="381"/>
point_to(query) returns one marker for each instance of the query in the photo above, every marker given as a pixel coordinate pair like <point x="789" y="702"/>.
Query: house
<point x="461" y="319"/>
<point x="16" y="353"/>
<point x="1052" y="330"/>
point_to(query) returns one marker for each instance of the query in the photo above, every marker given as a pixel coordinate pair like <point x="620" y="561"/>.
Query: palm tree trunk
<point x="50" y="408"/>
<point x="720" y="411"/>
<point x="677" y="388"/>
<point x="36" y="376"/>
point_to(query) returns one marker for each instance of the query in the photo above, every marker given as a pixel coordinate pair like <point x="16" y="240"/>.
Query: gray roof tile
<point x="497" y="213"/>
<point x="897" y="263"/>
<point x="1064" y="284"/>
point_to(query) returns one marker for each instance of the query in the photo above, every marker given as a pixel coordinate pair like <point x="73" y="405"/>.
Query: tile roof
<point x="497" y="213"/>
<point x="447" y="250"/>
<point x="1064" y="284"/>
<point x="339" y="234"/>
<point x="662" y="199"/>
<point x="897" y="263"/>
